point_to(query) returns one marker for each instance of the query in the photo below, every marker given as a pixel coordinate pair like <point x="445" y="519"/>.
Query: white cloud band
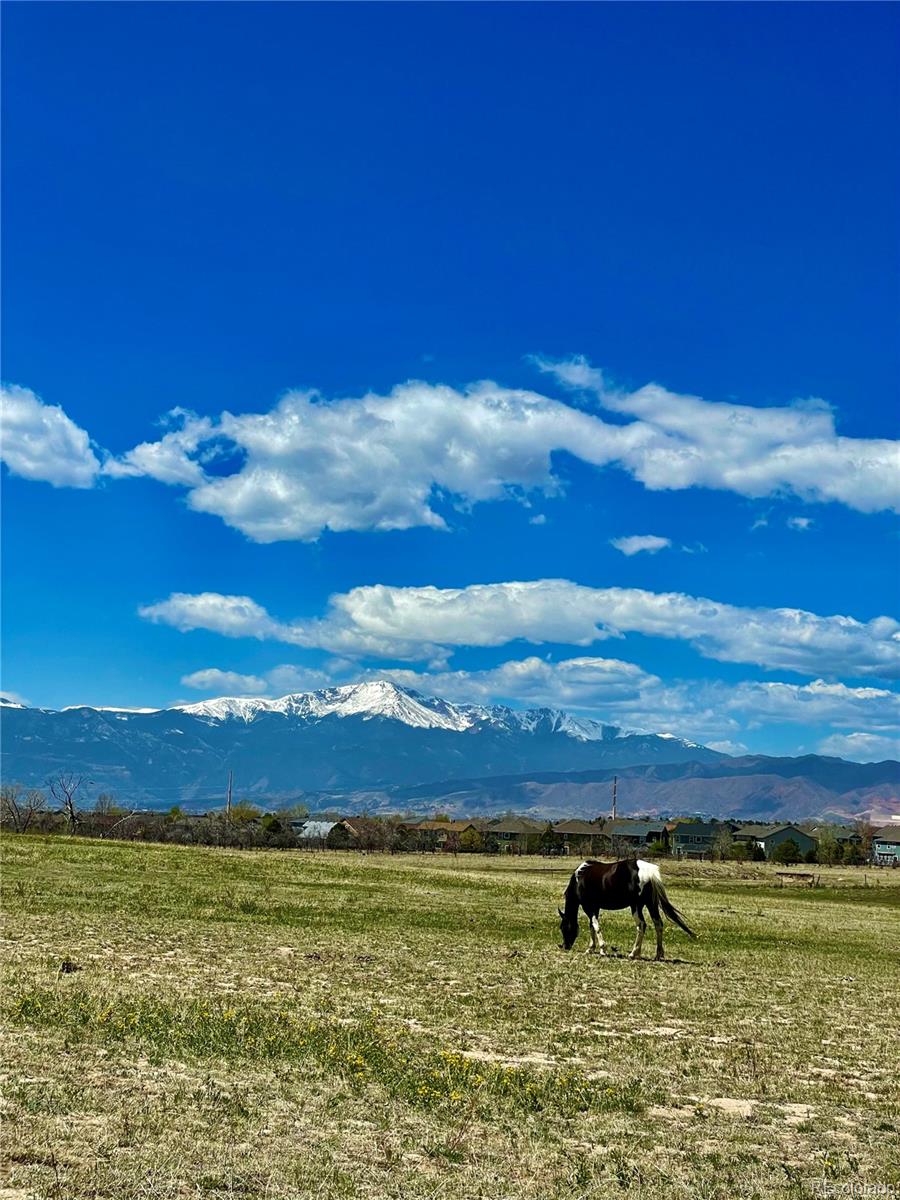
<point x="383" y="462"/>
<point x="423" y="623"/>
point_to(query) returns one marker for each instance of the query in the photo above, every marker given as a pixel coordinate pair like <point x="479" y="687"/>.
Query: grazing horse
<point x="628" y="884"/>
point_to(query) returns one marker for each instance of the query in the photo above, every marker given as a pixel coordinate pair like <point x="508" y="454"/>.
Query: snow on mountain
<point x="113" y="708"/>
<point x="389" y="701"/>
<point x="378" y="698"/>
<point x="381" y="698"/>
<point x="227" y="708"/>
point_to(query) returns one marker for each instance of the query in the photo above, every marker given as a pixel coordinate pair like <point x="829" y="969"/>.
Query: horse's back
<point x="606" y="885"/>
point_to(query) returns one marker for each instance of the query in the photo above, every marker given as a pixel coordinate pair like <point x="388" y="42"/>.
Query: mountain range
<point x="385" y="747"/>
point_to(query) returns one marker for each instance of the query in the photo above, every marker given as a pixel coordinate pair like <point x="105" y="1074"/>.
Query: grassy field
<point x="183" y="1022"/>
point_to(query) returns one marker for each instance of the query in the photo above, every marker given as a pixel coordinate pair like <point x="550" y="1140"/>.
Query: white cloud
<point x="279" y="681"/>
<point x="621" y="693"/>
<point x="232" y="616"/>
<point x="800" y="524"/>
<point x="818" y="703"/>
<point x="383" y="462"/>
<point x="401" y="623"/>
<point x="228" y="683"/>
<point x="583" y="683"/>
<point x="168" y="460"/>
<point x="287" y="678"/>
<point x="681" y="441"/>
<point x="861" y="747"/>
<point x="639" y="543"/>
<point x="380" y="462"/>
<point x="540" y="519"/>
<point x="728" y="747"/>
<point x="39" y="442"/>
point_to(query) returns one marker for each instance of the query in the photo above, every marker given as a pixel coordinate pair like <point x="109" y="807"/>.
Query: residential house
<point x="694" y="839"/>
<point x="768" y="837"/>
<point x="578" y="837"/>
<point x="312" y="834"/>
<point x="886" y="845"/>
<point x="362" y="833"/>
<point x="630" y="835"/>
<point x="844" y="835"/>
<point x="512" y="834"/>
<point x="443" y="835"/>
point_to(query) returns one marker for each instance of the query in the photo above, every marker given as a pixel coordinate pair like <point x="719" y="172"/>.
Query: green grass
<point x="286" y="1025"/>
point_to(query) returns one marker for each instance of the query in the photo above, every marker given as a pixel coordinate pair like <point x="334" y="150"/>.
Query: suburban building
<point x="769" y="837"/>
<point x="842" y="834"/>
<point x="442" y="835"/>
<point x="312" y="834"/>
<point x="578" y="837"/>
<point x="511" y="834"/>
<point x="634" y="835"/>
<point x="886" y="845"/>
<point x="694" y="839"/>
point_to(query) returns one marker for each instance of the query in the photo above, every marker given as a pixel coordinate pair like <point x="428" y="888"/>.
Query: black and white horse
<point x="628" y="884"/>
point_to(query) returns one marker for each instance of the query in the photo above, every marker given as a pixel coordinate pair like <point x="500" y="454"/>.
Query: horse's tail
<point x="648" y="875"/>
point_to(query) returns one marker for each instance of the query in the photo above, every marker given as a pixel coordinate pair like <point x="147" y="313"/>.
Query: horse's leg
<point x="641" y="924"/>
<point x="653" y="907"/>
<point x="597" y="945"/>
<point x="597" y="937"/>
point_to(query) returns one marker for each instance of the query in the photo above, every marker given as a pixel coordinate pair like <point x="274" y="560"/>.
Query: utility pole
<point x="228" y="797"/>
<point x="615" y="785"/>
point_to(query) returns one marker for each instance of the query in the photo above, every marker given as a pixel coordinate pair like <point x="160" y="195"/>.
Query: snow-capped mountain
<point x="381" y="698"/>
<point x="367" y="734"/>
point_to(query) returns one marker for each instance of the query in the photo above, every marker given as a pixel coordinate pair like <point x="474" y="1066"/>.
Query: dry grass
<point x="291" y="1025"/>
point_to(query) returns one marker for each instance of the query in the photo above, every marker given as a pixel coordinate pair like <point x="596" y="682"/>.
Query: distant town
<point x="243" y="825"/>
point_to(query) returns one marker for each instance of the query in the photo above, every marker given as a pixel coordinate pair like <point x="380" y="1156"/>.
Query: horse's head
<point x="568" y="927"/>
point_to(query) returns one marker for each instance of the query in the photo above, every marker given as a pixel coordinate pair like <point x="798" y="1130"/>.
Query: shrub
<point x="786" y="852"/>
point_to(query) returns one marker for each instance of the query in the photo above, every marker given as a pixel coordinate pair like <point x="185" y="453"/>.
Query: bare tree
<point x="63" y="788"/>
<point x="106" y="805"/>
<point x="722" y="843"/>
<point x="19" y="807"/>
<point x="866" y="831"/>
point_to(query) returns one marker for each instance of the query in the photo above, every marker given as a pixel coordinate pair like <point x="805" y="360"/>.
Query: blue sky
<point x="313" y="231"/>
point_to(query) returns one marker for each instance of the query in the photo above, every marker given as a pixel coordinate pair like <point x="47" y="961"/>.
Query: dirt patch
<point x="734" y="1108"/>
<point x="662" y="1112"/>
<point x="795" y="1114"/>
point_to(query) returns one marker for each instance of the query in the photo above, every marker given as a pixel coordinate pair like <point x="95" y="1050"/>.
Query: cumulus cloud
<point x="383" y="462"/>
<point x="818" y="703"/>
<point x="622" y="693"/>
<point x="40" y="442"/>
<point x="861" y="747"/>
<point x="583" y="683"/>
<point x="735" y="749"/>
<point x="625" y="694"/>
<point x="423" y="623"/>
<point x="389" y="462"/>
<point x="640" y="543"/>
<point x="169" y="459"/>
<point x="277" y="682"/>
<point x="231" y="683"/>
<point x="683" y="441"/>
<point x="231" y="616"/>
